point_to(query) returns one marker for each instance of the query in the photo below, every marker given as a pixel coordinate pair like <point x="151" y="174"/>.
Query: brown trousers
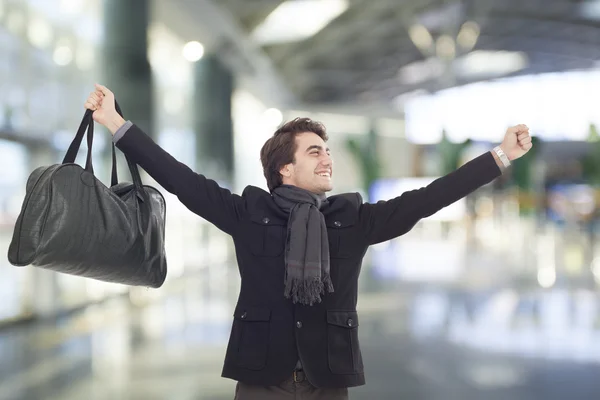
<point x="301" y="389"/>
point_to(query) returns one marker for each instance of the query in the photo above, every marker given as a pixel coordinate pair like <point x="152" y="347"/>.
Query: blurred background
<point x="495" y="297"/>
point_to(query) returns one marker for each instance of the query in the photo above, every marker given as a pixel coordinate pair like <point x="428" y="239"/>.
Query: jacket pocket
<point x="267" y="236"/>
<point x="343" y="239"/>
<point x="343" y="349"/>
<point x="251" y="328"/>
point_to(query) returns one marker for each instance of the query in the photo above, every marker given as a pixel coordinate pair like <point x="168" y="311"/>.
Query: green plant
<point x="450" y="153"/>
<point x="365" y="154"/>
<point x="522" y="169"/>
<point x="590" y="163"/>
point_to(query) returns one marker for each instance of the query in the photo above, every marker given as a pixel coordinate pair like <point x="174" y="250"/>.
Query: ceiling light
<point x="63" y="55"/>
<point x="490" y="63"/>
<point x="468" y="35"/>
<point x="193" y="51"/>
<point x="420" y="36"/>
<point x="445" y="47"/>
<point x="546" y="277"/>
<point x="297" y="20"/>
<point x="39" y="32"/>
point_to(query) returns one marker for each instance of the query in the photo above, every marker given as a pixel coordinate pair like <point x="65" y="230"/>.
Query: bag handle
<point x="113" y="175"/>
<point x="88" y="122"/>
<point x="76" y="143"/>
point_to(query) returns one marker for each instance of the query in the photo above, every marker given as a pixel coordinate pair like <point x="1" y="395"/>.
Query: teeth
<point x="325" y="174"/>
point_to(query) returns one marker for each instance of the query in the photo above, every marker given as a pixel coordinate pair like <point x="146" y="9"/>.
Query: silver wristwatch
<point x="502" y="156"/>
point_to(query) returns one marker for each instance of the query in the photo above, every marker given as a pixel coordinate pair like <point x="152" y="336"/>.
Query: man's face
<point x="312" y="168"/>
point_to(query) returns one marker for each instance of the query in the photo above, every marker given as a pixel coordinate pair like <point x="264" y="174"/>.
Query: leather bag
<point x="70" y="222"/>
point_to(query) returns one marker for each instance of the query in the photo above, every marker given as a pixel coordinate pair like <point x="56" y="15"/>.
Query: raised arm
<point x="389" y="219"/>
<point x="200" y="195"/>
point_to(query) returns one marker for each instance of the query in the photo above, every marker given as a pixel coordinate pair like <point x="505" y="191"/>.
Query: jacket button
<point x="244" y="315"/>
<point x="350" y="322"/>
<point x="337" y="223"/>
<point x="266" y="220"/>
<point x="299" y="324"/>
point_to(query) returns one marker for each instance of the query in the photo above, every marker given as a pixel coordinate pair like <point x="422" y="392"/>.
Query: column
<point x="212" y="119"/>
<point x="126" y="68"/>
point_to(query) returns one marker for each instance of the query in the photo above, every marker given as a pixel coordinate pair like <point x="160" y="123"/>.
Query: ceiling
<point x="358" y="56"/>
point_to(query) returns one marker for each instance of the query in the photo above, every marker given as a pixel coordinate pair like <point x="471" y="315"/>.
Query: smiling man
<point x="295" y="326"/>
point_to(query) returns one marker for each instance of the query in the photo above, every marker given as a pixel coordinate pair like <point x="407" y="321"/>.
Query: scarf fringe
<point x="308" y="292"/>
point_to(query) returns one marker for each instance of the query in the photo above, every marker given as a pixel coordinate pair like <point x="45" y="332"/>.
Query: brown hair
<point x="280" y="148"/>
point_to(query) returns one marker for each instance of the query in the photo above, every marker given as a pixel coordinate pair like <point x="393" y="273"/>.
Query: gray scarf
<point x="307" y="248"/>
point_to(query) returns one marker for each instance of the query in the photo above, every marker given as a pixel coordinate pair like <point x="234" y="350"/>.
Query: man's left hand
<point x="517" y="142"/>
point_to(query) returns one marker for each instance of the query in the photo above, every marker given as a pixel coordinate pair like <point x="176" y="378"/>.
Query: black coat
<point x="269" y="333"/>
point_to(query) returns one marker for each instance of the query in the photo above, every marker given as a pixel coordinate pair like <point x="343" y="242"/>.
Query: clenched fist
<point x="517" y="142"/>
<point x="102" y="103"/>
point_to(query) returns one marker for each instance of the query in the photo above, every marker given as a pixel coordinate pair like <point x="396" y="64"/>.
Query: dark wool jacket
<point x="269" y="333"/>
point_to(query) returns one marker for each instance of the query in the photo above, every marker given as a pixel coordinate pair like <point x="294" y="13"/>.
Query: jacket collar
<point x="341" y="210"/>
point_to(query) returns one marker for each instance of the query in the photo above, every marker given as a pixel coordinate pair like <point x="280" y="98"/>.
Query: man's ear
<point x="285" y="171"/>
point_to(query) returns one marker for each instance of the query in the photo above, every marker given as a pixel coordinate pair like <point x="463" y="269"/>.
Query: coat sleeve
<point x="200" y="195"/>
<point x="386" y="220"/>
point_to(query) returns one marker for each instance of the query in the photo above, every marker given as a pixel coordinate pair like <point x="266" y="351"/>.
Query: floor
<point x="420" y="341"/>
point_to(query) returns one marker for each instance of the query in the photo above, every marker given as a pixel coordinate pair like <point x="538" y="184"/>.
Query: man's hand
<point x="517" y="142"/>
<point x="102" y="102"/>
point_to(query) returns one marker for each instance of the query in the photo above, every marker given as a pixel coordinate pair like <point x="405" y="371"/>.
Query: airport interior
<point x="494" y="297"/>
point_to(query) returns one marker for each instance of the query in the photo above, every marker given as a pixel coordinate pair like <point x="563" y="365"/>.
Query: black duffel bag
<point x="71" y="222"/>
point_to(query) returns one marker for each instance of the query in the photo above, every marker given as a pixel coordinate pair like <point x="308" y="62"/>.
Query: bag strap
<point x="113" y="175"/>
<point x="76" y="143"/>
<point x="87" y="124"/>
<point x="133" y="168"/>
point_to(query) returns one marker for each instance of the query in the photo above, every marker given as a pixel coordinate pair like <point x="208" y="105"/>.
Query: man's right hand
<point x="102" y="102"/>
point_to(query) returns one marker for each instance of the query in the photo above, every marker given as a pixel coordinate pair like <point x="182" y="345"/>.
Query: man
<point x="295" y="325"/>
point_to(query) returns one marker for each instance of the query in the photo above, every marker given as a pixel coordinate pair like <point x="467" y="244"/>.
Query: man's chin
<point x="327" y="188"/>
<point x="322" y="189"/>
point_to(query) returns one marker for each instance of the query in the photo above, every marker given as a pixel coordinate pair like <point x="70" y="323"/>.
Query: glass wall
<point x="48" y="64"/>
